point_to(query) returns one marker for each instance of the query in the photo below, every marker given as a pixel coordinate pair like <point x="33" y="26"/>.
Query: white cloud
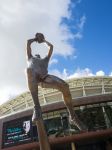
<point x="78" y="35"/>
<point x="19" y="21"/>
<point x="80" y="25"/>
<point x="59" y="74"/>
<point x="79" y="1"/>
<point x="53" y="61"/>
<point x="7" y="93"/>
<point x="78" y="73"/>
<point x="81" y="73"/>
<point x="100" y="73"/>
<point x="110" y="74"/>
<point x="82" y="22"/>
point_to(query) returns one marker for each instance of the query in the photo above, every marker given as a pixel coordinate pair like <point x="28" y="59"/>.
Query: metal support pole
<point x="73" y="146"/>
<point x="43" y="139"/>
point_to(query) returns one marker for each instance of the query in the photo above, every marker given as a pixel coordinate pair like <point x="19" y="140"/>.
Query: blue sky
<point x="80" y="30"/>
<point x="94" y="49"/>
<point x="96" y="46"/>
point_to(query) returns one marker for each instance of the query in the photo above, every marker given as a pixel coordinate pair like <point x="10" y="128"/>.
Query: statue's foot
<point x="76" y="122"/>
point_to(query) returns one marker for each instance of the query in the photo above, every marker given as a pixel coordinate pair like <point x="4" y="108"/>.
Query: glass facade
<point x="95" y="117"/>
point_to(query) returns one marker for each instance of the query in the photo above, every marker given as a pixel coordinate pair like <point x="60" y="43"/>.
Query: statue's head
<point x="39" y="37"/>
<point x="38" y="56"/>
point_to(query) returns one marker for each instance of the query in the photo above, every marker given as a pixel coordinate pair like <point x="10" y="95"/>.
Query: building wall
<point x="93" y="106"/>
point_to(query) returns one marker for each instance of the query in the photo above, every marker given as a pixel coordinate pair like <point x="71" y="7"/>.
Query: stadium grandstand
<point x="92" y="100"/>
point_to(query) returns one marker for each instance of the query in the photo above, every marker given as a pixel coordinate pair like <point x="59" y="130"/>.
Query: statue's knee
<point x="65" y="87"/>
<point x="29" y="71"/>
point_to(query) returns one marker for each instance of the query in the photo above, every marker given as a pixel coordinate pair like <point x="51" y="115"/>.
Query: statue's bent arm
<point x="50" y="48"/>
<point x="28" y="49"/>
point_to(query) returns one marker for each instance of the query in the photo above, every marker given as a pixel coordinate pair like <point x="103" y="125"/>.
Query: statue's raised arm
<point x="28" y="49"/>
<point x="39" y="37"/>
<point x="50" y="48"/>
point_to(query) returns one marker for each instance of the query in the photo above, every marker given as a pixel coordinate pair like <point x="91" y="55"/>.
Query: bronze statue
<point x="37" y="73"/>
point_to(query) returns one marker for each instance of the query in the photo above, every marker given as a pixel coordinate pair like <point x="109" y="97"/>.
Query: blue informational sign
<point x="17" y="131"/>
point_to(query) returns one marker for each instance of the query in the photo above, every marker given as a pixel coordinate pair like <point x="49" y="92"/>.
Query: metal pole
<point x="73" y="146"/>
<point x="43" y="139"/>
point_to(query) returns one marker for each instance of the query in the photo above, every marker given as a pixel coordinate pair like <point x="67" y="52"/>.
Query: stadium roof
<point x="79" y="87"/>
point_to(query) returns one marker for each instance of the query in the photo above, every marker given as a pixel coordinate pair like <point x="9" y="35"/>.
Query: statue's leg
<point x="54" y="82"/>
<point x="37" y="114"/>
<point x="33" y="87"/>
